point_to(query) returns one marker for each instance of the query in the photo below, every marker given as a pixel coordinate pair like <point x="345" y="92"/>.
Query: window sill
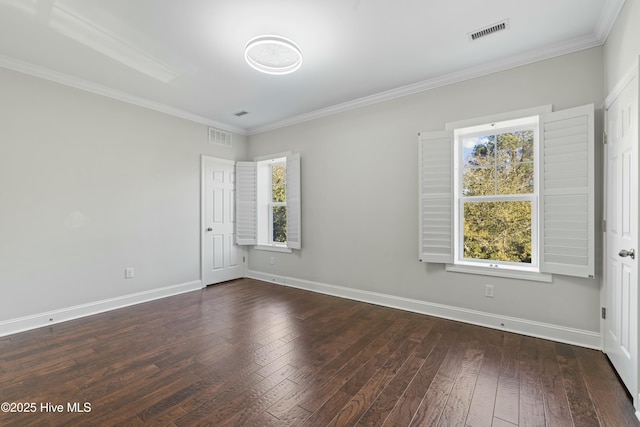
<point x="500" y="272"/>
<point x="270" y="248"/>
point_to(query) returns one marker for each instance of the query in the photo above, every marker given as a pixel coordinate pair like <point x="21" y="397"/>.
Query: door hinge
<point x="243" y="259"/>
<point x="604" y="225"/>
<point x="604" y="313"/>
<point x="604" y="138"/>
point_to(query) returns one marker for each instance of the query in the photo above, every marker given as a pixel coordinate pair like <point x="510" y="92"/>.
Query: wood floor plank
<point x="484" y="395"/>
<point x="249" y="397"/>
<point x="531" y="400"/>
<point x="259" y="354"/>
<point x="244" y="412"/>
<point x="440" y="340"/>
<point x="387" y="345"/>
<point x="325" y="413"/>
<point x="483" y="402"/>
<point x="497" y="422"/>
<point x="580" y="404"/>
<point x="609" y="396"/>
<point x="385" y="402"/>
<point x="459" y="401"/>
<point x="556" y="406"/>
<point x="328" y="379"/>
<point x="387" y="398"/>
<point x="334" y="383"/>
<point x="507" y="404"/>
<point x="432" y="406"/>
<point x="378" y="380"/>
<point x="201" y="406"/>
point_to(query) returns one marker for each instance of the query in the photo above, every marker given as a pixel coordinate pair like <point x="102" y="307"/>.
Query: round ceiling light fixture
<point x="273" y="55"/>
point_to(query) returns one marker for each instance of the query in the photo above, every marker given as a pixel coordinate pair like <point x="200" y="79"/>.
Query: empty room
<point x="338" y="212"/>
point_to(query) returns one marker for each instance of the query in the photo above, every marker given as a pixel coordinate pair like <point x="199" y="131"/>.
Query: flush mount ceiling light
<point x="273" y="55"/>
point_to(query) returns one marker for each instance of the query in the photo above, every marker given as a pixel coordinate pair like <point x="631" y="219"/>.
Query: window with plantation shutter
<point x="268" y="203"/>
<point x="538" y="170"/>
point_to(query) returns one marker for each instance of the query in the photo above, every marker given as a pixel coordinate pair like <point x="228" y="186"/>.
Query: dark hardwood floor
<point x="258" y="354"/>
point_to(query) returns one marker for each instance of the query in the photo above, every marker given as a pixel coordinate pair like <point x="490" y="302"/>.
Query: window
<point x="496" y="194"/>
<point x="510" y="194"/>
<point x="278" y="204"/>
<point x="272" y="202"/>
<point x="268" y="202"/>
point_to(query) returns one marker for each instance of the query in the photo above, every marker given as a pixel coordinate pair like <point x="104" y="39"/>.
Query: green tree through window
<point x="497" y="171"/>
<point x="278" y="200"/>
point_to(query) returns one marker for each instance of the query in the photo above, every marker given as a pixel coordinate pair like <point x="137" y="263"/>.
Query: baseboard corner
<point x="39" y="320"/>
<point x="582" y="338"/>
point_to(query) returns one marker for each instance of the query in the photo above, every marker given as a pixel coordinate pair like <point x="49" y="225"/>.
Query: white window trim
<point x="275" y="248"/>
<point x="498" y="269"/>
<point x="500" y="272"/>
<point x="516" y="123"/>
<point x="272" y="156"/>
<point x="501" y="117"/>
<point x="272" y="204"/>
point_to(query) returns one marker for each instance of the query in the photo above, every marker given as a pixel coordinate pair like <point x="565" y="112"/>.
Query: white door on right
<point x="621" y="266"/>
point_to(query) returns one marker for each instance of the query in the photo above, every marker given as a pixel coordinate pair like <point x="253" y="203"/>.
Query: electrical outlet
<point x="489" y="291"/>
<point x="273" y="260"/>
<point x="128" y="273"/>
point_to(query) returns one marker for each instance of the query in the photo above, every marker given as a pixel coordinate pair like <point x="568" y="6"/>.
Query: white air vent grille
<point x="220" y="137"/>
<point x="502" y="25"/>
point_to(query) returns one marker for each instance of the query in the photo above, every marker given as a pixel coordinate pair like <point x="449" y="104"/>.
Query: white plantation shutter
<point x="436" y="196"/>
<point x="294" y="228"/>
<point x="567" y="192"/>
<point x="246" y="203"/>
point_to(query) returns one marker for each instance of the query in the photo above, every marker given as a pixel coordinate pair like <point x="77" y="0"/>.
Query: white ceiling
<point x="185" y="57"/>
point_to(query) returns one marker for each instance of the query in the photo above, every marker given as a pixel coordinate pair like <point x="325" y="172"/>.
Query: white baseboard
<point x="26" y="323"/>
<point x="511" y="324"/>
<point x="548" y="331"/>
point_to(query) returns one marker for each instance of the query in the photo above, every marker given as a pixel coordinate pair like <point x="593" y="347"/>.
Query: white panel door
<point x="222" y="259"/>
<point x="621" y="266"/>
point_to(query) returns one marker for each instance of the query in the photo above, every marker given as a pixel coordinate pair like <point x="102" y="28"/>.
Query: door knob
<point x="625" y="253"/>
<point x="209" y="229"/>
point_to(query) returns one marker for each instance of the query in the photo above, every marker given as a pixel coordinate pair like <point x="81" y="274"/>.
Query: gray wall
<point x="88" y="186"/>
<point x="360" y="194"/>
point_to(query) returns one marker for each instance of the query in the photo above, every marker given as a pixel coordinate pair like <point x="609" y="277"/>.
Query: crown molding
<point x="607" y="19"/>
<point x="514" y="61"/>
<point x="608" y="16"/>
<point x="75" y="82"/>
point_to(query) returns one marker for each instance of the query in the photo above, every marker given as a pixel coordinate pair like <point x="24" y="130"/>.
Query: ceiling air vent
<point x="220" y="137"/>
<point x="502" y="25"/>
<point x="240" y="113"/>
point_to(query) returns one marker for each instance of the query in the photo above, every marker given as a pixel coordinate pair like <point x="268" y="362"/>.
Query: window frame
<point x="282" y="161"/>
<point x="495" y="127"/>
